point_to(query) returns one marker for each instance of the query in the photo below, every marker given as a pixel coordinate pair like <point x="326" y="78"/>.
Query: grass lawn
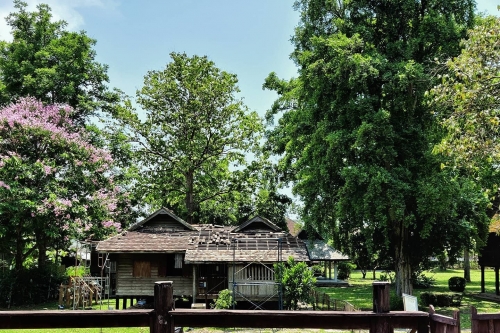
<point x="361" y="293"/>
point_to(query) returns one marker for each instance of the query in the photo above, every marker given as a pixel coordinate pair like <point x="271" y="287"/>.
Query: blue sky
<point x="248" y="38"/>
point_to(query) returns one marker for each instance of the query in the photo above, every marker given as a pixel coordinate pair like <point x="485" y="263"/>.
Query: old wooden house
<point x="201" y="260"/>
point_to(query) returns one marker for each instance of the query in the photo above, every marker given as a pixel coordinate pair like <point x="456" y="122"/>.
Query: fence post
<point x="473" y="319"/>
<point x="164" y="303"/>
<point x="381" y="298"/>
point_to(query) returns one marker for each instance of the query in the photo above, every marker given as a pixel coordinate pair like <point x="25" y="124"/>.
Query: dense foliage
<point x="468" y="99"/>
<point x="192" y="144"/>
<point x="356" y="135"/>
<point x="457" y="283"/>
<point x="297" y="282"/>
<point x="51" y="64"/>
<point x="54" y="185"/>
<point x="224" y="300"/>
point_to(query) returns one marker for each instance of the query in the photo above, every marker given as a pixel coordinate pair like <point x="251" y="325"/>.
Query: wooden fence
<point x="484" y="322"/>
<point x="163" y="319"/>
<point x="323" y="301"/>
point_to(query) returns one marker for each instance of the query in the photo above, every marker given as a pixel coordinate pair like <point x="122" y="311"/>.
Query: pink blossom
<point x="2" y="184"/>
<point x="107" y="224"/>
<point x="47" y="169"/>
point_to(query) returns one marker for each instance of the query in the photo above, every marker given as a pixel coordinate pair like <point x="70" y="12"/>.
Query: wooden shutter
<point x="141" y="268"/>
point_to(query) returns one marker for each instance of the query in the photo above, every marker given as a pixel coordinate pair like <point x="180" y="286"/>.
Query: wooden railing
<point x="442" y="324"/>
<point x="484" y="322"/>
<point x="323" y="301"/>
<point x="164" y="318"/>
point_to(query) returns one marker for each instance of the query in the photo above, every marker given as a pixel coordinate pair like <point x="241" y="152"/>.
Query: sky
<point x="247" y="38"/>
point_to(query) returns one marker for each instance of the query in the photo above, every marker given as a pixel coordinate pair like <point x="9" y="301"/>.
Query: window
<point x="141" y="268"/>
<point x="171" y="264"/>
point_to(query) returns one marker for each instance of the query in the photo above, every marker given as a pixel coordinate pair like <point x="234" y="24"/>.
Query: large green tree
<point x="45" y="61"/>
<point x="355" y="133"/>
<point x="467" y="101"/>
<point x="192" y="144"/>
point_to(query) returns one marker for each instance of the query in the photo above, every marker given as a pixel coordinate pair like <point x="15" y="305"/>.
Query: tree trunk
<point x="374" y="273"/>
<point x="19" y="253"/>
<point x="466" y="265"/>
<point x="190" y="196"/>
<point x="402" y="260"/>
<point x="42" y="252"/>
<point x="19" y="256"/>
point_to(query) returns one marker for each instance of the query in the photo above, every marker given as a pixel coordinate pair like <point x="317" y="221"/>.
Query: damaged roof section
<point x="257" y="240"/>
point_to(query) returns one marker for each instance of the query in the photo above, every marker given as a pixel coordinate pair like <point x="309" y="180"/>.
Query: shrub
<point x="345" y="269"/>
<point x="421" y="281"/>
<point x="224" y="300"/>
<point x="440" y="299"/>
<point x="317" y="270"/>
<point x="396" y="302"/>
<point x="297" y="282"/>
<point x="30" y="286"/>
<point x="387" y="276"/>
<point x="457" y="283"/>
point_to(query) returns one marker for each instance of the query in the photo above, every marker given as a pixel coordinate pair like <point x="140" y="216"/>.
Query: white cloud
<point x="66" y="10"/>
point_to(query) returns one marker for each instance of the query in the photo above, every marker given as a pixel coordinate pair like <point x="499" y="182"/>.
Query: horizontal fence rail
<point x="164" y="319"/>
<point x="484" y="322"/>
<point x="300" y="319"/>
<point x="443" y="324"/>
<point x="75" y="318"/>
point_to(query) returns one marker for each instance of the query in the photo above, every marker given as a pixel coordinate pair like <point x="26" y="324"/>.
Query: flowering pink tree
<point x="54" y="185"/>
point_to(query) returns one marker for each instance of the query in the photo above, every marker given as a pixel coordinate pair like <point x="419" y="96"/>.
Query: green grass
<point x="360" y="294"/>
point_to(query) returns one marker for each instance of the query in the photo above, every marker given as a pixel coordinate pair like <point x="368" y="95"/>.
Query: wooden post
<point x="381" y="299"/>
<point x="117" y="304"/>
<point x="194" y="284"/>
<point x="423" y="325"/>
<point x="380" y="325"/>
<point x="482" y="279"/>
<point x="456" y="316"/>
<point x="164" y="303"/>
<point x="61" y="294"/>
<point x="497" y="281"/>
<point x="473" y="319"/>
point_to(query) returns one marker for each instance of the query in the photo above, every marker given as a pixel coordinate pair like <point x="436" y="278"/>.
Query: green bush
<point x="317" y="270"/>
<point x="440" y="299"/>
<point x="224" y="300"/>
<point x="345" y="269"/>
<point x="457" y="283"/>
<point x="396" y="302"/>
<point x="421" y="281"/>
<point x="297" y="281"/>
<point x="30" y="286"/>
<point x="387" y="276"/>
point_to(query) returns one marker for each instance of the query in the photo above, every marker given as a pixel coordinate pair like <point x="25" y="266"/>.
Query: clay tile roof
<point x="133" y="241"/>
<point x="293" y="227"/>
